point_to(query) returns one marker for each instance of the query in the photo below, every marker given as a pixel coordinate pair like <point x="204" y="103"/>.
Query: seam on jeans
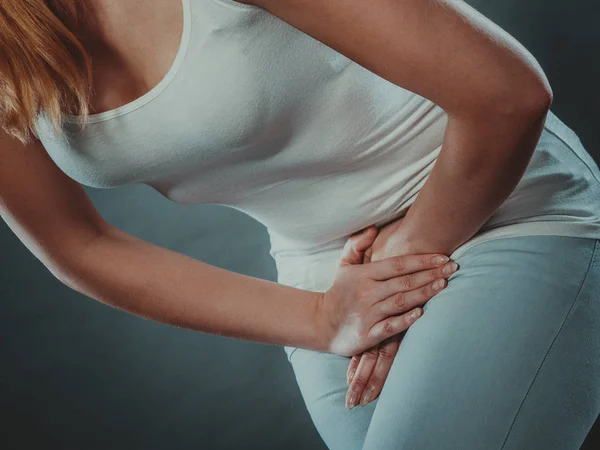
<point x="592" y="261"/>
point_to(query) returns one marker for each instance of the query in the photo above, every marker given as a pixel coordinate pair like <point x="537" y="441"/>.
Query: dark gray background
<point x="76" y="374"/>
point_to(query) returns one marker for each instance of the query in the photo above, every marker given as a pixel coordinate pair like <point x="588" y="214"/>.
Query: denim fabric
<point x="507" y="357"/>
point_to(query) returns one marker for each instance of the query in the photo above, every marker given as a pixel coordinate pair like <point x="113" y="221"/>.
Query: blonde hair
<point x="43" y="65"/>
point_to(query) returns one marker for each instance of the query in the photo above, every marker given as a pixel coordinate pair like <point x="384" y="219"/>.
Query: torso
<point x="258" y="116"/>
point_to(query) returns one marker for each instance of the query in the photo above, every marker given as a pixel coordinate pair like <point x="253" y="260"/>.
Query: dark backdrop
<point x="76" y="374"/>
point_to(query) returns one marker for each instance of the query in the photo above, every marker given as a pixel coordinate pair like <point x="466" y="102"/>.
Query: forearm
<point x="128" y="273"/>
<point x="481" y="162"/>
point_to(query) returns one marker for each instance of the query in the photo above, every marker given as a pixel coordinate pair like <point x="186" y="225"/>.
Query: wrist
<point x="324" y="330"/>
<point x="414" y="242"/>
<point x="402" y="242"/>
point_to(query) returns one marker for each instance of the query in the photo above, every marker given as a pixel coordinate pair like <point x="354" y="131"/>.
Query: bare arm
<point x="53" y="216"/>
<point x="479" y="166"/>
<point x="55" y="219"/>
<point x="128" y="273"/>
<point x="494" y="91"/>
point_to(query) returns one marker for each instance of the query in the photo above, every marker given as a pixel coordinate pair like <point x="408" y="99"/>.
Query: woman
<point x="320" y="119"/>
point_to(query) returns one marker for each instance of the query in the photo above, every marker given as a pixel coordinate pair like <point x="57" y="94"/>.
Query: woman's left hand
<point x="368" y="370"/>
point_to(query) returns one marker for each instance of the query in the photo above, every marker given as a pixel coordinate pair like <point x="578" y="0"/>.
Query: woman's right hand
<point x="371" y="302"/>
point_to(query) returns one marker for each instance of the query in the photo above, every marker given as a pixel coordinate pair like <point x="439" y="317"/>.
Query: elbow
<point x="539" y="100"/>
<point x="534" y="100"/>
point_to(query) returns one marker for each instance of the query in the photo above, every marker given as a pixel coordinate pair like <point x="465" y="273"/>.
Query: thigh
<point x="506" y="357"/>
<point x="321" y="378"/>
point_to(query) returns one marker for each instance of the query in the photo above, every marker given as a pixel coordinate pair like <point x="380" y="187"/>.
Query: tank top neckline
<point x="156" y="90"/>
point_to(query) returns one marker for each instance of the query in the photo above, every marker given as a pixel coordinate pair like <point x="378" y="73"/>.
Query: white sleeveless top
<point x="259" y="116"/>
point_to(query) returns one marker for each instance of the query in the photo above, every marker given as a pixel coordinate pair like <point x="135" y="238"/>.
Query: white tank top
<point x="259" y="116"/>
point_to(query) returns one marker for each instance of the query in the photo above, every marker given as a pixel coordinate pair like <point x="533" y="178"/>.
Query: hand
<point x="368" y="303"/>
<point x="368" y="370"/>
<point x="389" y="242"/>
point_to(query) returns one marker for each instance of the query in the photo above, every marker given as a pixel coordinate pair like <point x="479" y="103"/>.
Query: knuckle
<point x="358" y="380"/>
<point x="370" y="353"/>
<point x="388" y="327"/>
<point x="401" y="263"/>
<point x="400" y="301"/>
<point x="387" y="352"/>
<point x="407" y="282"/>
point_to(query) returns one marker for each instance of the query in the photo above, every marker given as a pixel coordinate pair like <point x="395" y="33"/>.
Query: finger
<point x="387" y="352"/>
<point x="368" y="358"/>
<point x="402" y="265"/>
<point x="402" y="302"/>
<point x="352" y="368"/>
<point x="367" y="255"/>
<point x="392" y="325"/>
<point x="357" y="243"/>
<point x="412" y="281"/>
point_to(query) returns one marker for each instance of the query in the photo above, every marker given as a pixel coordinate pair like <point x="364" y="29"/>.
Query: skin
<point x="368" y="370"/>
<point x="51" y="213"/>
<point x="53" y="216"/>
<point x="138" y="59"/>
<point x="134" y="43"/>
<point x="496" y="96"/>
<point x="447" y="40"/>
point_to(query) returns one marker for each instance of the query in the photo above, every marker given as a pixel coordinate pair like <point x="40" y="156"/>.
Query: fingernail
<point x="440" y="259"/>
<point x="351" y="401"/>
<point x="449" y="268"/>
<point x="439" y="284"/>
<point x="416" y="313"/>
<point x="366" y="397"/>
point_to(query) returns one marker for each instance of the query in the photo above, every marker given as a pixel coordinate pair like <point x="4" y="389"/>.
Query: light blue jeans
<point x="506" y="357"/>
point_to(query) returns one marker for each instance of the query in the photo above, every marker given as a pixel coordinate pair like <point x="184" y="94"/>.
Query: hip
<point x="534" y="268"/>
